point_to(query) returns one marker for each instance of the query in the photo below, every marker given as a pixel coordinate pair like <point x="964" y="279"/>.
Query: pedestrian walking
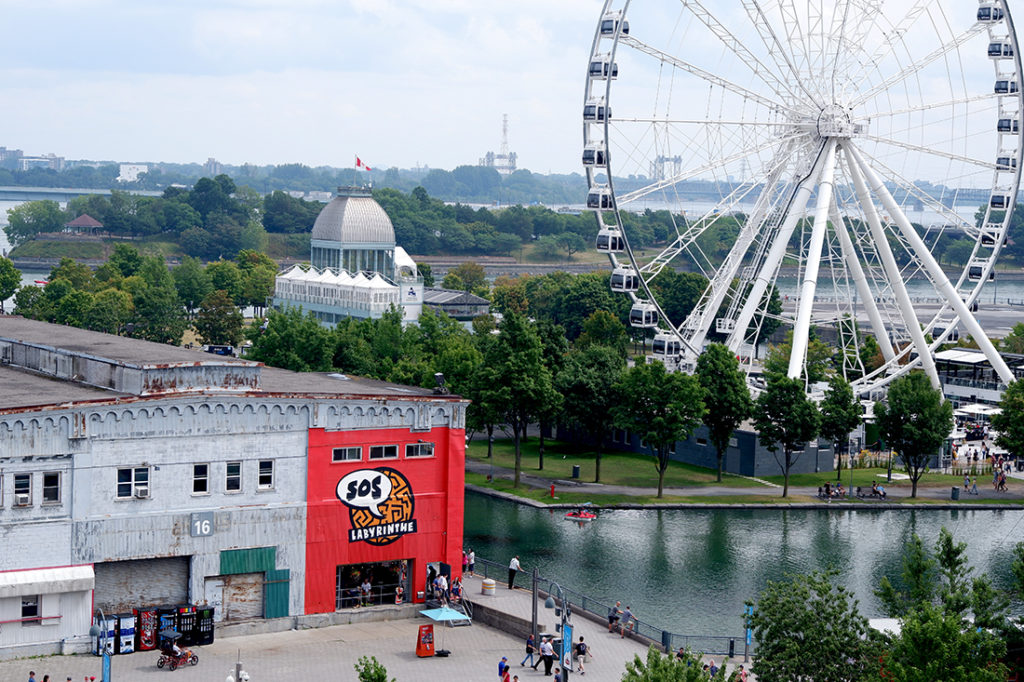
<point x="581" y="655"/>
<point x="530" y="646"/>
<point x="472" y="561"/>
<point x="743" y="674"/>
<point x="31" y="676"/>
<point x="558" y="675"/>
<point x="547" y="655"/>
<point x="513" y="568"/>
<point x="502" y="667"/>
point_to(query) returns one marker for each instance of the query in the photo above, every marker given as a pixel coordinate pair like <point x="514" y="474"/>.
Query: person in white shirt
<point x="513" y="568"/>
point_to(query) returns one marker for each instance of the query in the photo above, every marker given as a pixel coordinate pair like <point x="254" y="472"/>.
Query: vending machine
<point x="108" y="635"/>
<point x="187" y="624"/>
<point x="204" y="625"/>
<point x="167" y="618"/>
<point x="125" y="634"/>
<point x="146" y="626"/>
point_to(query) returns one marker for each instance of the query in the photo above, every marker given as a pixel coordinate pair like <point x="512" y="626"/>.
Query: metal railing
<point x="717" y="645"/>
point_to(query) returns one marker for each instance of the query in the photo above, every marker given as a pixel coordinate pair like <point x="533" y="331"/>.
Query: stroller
<point x="171" y="654"/>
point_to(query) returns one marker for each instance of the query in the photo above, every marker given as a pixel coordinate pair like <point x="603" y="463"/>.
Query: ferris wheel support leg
<point x="892" y="270"/>
<point x="705" y="313"/>
<point x="775" y="254"/>
<point x="801" y="330"/>
<point x="860" y="282"/>
<point x="942" y="283"/>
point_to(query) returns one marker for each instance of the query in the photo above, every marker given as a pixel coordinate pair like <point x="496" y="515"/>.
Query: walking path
<point x="330" y="653"/>
<point x="896" y="495"/>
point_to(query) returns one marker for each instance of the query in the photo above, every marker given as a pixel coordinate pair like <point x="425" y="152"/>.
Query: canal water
<point x="689" y="571"/>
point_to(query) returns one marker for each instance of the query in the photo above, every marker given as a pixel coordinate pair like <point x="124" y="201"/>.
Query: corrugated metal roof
<point x="354" y="220"/>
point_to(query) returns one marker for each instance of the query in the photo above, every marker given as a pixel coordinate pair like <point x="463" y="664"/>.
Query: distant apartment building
<point x="50" y="161"/>
<point x="212" y="167"/>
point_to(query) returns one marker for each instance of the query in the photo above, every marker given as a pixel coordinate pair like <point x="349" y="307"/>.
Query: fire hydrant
<point x="552" y="491"/>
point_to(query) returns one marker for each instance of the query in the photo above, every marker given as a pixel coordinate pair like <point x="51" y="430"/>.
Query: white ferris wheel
<point x="820" y="149"/>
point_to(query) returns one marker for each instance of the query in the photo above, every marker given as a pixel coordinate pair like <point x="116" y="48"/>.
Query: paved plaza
<point x="330" y="653"/>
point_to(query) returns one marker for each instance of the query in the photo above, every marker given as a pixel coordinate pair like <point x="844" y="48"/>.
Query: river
<point x="689" y="571"/>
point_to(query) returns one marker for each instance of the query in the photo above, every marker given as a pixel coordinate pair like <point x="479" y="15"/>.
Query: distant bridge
<point x="61" y="194"/>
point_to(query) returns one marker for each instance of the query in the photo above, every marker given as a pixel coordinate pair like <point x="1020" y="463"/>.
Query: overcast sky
<point x="399" y="82"/>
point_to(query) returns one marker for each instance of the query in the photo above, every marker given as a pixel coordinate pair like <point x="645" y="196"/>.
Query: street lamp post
<point x="565" y="628"/>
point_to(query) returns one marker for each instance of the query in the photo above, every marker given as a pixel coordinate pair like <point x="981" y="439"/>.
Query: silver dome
<point x="354" y="217"/>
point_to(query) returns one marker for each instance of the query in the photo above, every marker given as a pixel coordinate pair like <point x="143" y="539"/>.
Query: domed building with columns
<point x="357" y="269"/>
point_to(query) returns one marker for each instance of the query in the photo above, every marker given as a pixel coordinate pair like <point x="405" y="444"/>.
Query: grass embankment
<point x="634" y="470"/>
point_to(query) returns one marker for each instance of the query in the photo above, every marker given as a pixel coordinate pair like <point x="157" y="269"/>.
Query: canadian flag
<point x="360" y="164"/>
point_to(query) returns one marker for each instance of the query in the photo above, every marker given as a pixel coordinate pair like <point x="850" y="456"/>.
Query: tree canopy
<point x="726" y="396"/>
<point x="784" y="417"/>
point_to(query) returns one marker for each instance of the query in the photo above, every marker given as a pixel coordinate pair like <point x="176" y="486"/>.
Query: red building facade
<point x="383" y="505"/>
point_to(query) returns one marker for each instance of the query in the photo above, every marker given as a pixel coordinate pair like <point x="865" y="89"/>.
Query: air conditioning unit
<point x="21" y="500"/>
<point x="142" y="492"/>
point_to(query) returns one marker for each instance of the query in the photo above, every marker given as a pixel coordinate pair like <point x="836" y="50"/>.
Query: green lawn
<point x="864" y="478"/>
<point x="45" y="248"/>
<point x="617" y="468"/>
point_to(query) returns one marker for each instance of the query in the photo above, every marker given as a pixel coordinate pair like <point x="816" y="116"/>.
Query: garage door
<point x="243" y="596"/>
<point x="124" y="585"/>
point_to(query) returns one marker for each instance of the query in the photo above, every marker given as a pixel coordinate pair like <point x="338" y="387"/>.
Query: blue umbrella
<point x="444" y="615"/>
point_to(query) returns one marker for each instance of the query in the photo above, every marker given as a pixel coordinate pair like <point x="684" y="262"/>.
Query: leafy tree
<point x="26" y="298"/>
<point x="816" y="366"/>
<point x="111" y="311"/>
<point x="191" y="282"/>
<point x="1014" y="341"/>
<point x="659" y="667"/>
<point x="840" y="414"/>
<point x="10" y="278"/>
<point x="587" y="383"/>
<point x="726" y="396"/>
<point x="227" y="276"/>
<point x="427" y="273"/>
<point x="602" y="328"/>
<point x="285" y="213"/>
<point x="516" y="381"/>
<point x="914" y="421"/>
<point x="809" y="628"/>
<point x="31" y="218"/>
<point x="571" y="243"/>
<point x="453" y="282"/>
<point x="218" y="320"/>
<point x="661" y="407"/>
<point x="293" y="341"/>
<point x="958" y="252"/>
<point x="784" y="417"/>
<point x="79" y="275"/>
<point x="73" y="309"/>
<point x="950" y="622"/>
<point x="126" y="259"/>
<point x="369" y="670"/>
<point x="258" y="286"/>
<point x="158" y="315"/>
<point x="554" y="349"/>
<point x="1010" y="422"/>
<point x="155" y="273"/>
<point x="471" y="274"/>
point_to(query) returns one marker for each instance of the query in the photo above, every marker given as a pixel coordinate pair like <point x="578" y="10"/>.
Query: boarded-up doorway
<point x="242" y="596"/>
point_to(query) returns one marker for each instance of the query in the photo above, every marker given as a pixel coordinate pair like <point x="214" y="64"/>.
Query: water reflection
<point x="689" y="571"/>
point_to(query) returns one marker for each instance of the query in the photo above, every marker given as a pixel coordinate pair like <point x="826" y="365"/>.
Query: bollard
<point x="732" y="648"/>
<point x="666" y="641"/>
<point x="552" y="491"/>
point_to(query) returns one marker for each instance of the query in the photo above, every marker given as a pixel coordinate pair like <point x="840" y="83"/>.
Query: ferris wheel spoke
<point x="703" y="74"/>
<point x="860" y="282"/>
<point x="779" y="52"/>
<point x="702" y="121"/>
<point x="951" y="103"/>
<point x="944" y="286"/>
<point x="781" y="88"/>
<point x="931" y="151"/>
<point x="917" y="66"/>
<point x="770" y="265"/>
<point x="698" y="323"/>
<point x="660" y="185"/>
<point x="906" y="308"/>
<point x="695" y="229"/>
<point x="892" y="36"/>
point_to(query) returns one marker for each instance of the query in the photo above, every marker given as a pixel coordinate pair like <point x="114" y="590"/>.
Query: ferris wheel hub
<point x="834" y="120"/>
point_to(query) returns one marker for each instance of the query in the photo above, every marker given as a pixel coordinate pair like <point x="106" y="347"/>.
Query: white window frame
<point x="228" y="476"/>
<point x="419" y="450"/>
<point x="346" y="454"/>
<point x="140" y="476"/>
<point x="29" y="491"/>
<point x="260" y="485"/>
<point x="205" y="478"/>
<point x="58" y="486"/>
<point x="384" y="452"/>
